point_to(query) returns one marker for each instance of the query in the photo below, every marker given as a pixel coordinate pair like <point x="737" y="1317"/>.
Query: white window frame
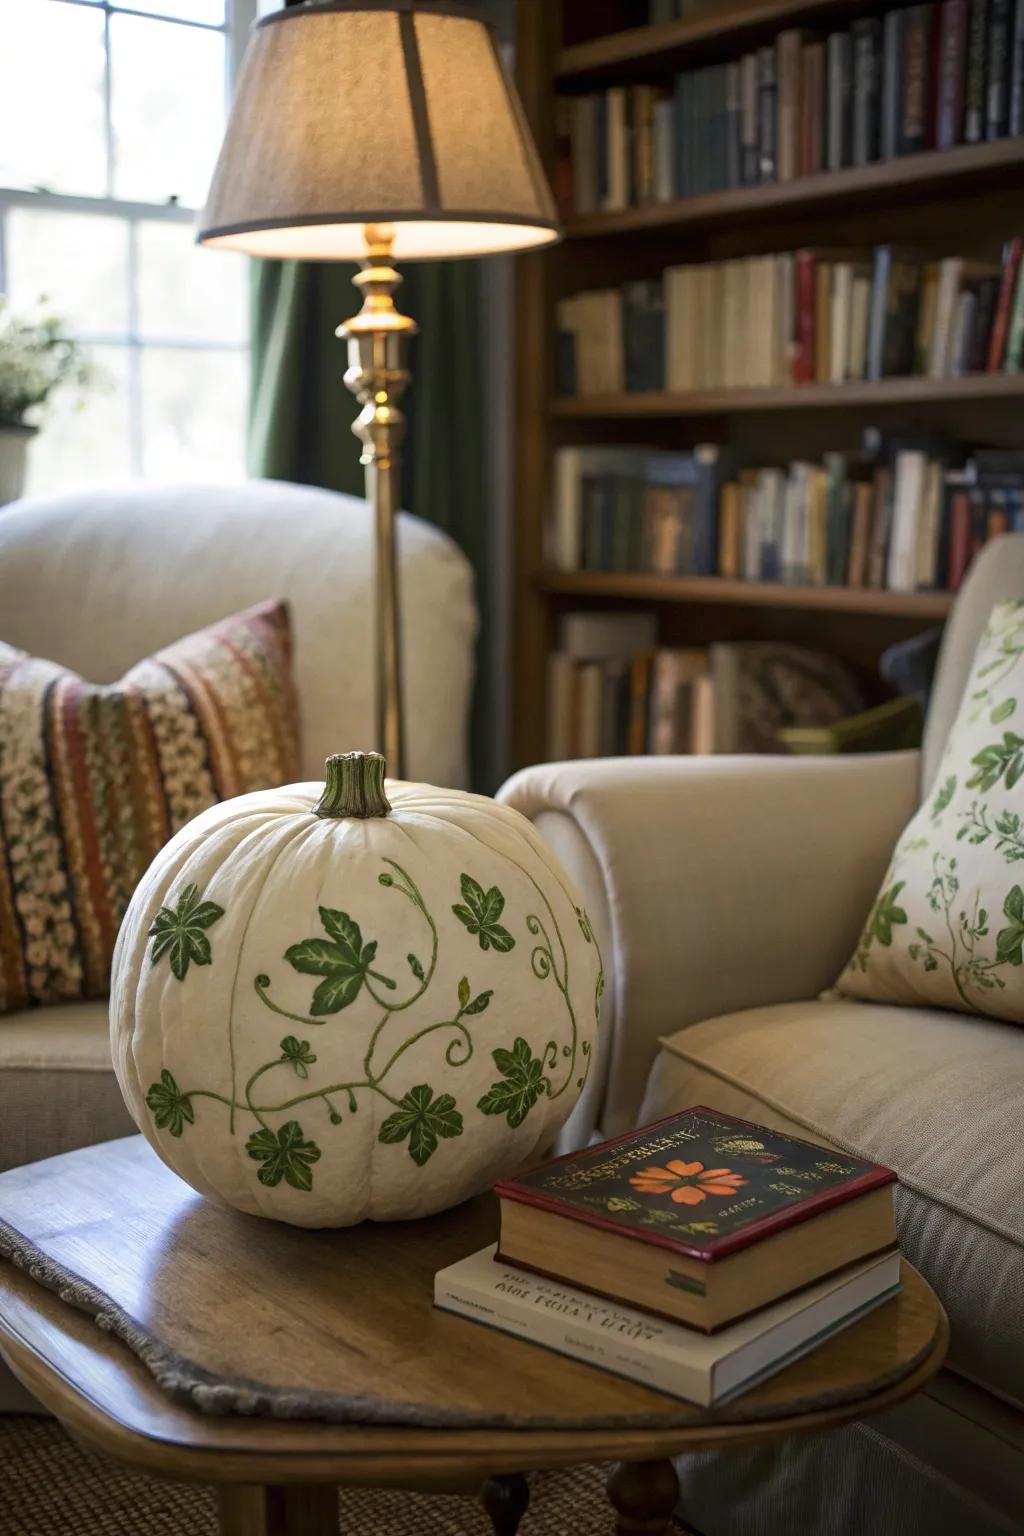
<point x="238" y="18"/>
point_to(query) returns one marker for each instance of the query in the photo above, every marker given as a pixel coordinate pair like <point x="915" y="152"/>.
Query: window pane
<point x="193" y="413"/>
<point x="187" y="291"/>
<point x="77" y="262"/>
<point x="189" y="10"/>
<point x="51" y="98"/>
<point x="167" y="106"/>
<point x="84" y="436"/>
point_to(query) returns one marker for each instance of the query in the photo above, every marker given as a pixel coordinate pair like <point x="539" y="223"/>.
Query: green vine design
<point x="1006" y="827"/>
<point x="344" y="964"/>
<point x="1008" y="635"/>
<point x="959" y="948"/>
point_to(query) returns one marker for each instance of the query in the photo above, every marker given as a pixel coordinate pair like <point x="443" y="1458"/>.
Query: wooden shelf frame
<point x="641" y="587"/>
<point x="865" y="394"/>
<point x="968" y="167"/>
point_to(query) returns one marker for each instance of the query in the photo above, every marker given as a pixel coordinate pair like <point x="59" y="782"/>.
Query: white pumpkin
<point x="328" y="1005"/>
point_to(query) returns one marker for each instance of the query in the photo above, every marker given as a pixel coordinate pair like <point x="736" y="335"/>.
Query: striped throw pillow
<point x="94" y="780"/>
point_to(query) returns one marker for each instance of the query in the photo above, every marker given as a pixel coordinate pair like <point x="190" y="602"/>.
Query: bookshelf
<point x="928" y="199"/>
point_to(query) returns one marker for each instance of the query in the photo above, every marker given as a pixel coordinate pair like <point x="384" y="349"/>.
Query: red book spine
<point x="1001" y="323"/>
<point x="803" y="362"/>
<point x="959" y="538"/>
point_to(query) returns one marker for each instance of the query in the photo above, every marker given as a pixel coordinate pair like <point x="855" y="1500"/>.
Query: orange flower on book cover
<point x="686" y="1183"/>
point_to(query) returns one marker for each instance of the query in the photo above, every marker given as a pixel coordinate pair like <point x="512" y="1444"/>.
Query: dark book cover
<point x="838" y="99"/>
<point x="644" y="334"/>
<point x="1016" y="119"/>
<point x="601" y="145"/>
<point x="866" y="35"/>
<point x="1004" y="304"/>
<point x="767" y="94"/>
<point x="917" y="23"/>
<point x="987" y="296"/>
<point x="997" y="85"/>
<point x="977" y="73"/>
<point x="952" y="74"/>
<point x="812" y="108"/>
<point x="700" y="1183"/>
<point x="679" y="114"/>
<point x="734" y="125"/>
<point x="902" y="300"/>
<point x="565" y="363"/>
<point x="892" y="84"/>
<point x="876" y="311"/>
<point x="749" y="121"/>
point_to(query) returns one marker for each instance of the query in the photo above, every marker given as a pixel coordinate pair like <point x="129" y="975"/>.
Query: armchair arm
<point x="714" y="884"/>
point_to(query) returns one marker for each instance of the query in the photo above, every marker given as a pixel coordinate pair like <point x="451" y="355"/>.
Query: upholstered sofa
<point x="97" y="581"/>
<point x="727" y="895"/>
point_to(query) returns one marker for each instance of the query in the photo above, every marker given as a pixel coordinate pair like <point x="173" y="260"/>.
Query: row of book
<point x="796" y="317"/>
<point x="902" y="518"/>
<point x="773" y="1244"/>
<point x="612" y="691"/>
<point x="920" y="77"/>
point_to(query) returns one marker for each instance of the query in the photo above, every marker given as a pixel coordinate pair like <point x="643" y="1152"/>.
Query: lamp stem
<point x="377" y="375"/>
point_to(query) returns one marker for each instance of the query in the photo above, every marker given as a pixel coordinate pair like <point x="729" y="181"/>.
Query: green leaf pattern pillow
<point x="947" y="927"/>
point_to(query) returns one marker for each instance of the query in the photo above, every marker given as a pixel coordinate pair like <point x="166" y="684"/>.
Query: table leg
<point x="644" y="1495"/>
<point x="288" y="1509"/>
<point x="505" y="1500"/>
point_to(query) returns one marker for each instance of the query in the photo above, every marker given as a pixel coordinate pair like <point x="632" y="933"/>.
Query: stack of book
<point x="698" y="1256"/>
<point x="613" y="691"/>
<point x="797" y="317"/>
<point x="898" y="516"/>
<point x="916" y="78"/>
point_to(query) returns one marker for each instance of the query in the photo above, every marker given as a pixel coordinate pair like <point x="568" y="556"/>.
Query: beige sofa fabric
<point x="730" y="882"/>
<point x="933" y="1095"/>
<point x="57" y="1089"/>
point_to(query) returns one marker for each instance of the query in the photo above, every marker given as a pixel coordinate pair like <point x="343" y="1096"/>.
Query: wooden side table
<point x="248" y="1317"/>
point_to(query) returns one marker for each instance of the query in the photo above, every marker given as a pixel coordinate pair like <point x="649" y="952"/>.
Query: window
<point x="111" y="115"/>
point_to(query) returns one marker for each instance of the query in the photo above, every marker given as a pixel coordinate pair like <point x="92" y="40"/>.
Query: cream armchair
<point x="727" y="894"/>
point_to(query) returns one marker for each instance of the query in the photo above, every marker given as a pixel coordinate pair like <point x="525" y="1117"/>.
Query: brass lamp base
<point x="378" y="377"/>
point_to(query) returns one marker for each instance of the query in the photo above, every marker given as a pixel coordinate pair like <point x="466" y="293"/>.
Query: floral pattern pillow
<point x="95" y="779"/>
<point x="947" y="928"/>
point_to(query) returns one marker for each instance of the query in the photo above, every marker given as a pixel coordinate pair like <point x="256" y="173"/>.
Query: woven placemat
<point x="51" y="1486"/>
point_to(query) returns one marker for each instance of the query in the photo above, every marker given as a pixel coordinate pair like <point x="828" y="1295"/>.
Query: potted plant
<point x="35" y="357"/>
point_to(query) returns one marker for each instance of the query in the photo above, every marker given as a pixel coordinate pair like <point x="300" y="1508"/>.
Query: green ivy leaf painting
<point x="342" y="959"/>
<point x="298" y="1053"/>
<point x="183" y="932"/>
<point x="1010" y="940"/>
<point x="480" y="911"/>
<point x="521" y="1084"/>
<point x="1002" y="760"/>
<point x="284" y="1154"/>
<point x="171" y="1108"/>
<point x="422" y="1119"/>
<point x="943" y="797"/>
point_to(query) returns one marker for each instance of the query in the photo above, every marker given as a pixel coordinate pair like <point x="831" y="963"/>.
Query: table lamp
<point x="377" y="131"/>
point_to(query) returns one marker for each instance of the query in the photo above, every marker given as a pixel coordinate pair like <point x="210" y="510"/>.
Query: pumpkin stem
<point x="354" y="786"/>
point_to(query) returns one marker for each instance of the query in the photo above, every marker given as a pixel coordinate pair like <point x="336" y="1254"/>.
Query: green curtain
<point x="301" y="413"/>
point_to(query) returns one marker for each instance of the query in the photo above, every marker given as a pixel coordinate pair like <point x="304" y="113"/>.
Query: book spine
<point x="767" y="94"/>
<point x="812" y="107"/>
<point x="837" y="145"/>
<point x="914" y="117"/>
<point x="867" y="69"/>
<point x="877" y="311"/>
<point x="977" y="60"/>
<point x="949" y="120"/>
<point x="1016" y="122"/>
<point x="789" y="49"/>
<point x="1004" y="304"/>
<point x="959" y="539"/>
<point x="997" y="93"/>
<point x="1014" y="358"/>
<point x="750" y="140"/>
<point x="664" y="150"/>
<point x="734" y="124"/>
<point x="892" y="76"/>
<point x="981" y="327"/>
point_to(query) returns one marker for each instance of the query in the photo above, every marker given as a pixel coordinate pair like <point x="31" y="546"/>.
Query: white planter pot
<point x="14" y="443"/>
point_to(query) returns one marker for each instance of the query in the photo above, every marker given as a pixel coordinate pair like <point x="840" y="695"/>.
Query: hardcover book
<point x="701" y="1217"/>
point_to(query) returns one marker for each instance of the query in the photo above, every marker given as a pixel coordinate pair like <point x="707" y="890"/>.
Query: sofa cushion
<point x="934" y="1096"/>
<point x="57" y="1086"/>
<point x="95" y="779"/>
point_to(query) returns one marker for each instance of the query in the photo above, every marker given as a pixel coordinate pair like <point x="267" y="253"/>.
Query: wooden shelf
<point x="725" y="402"/>
<point x="969" y="167"/>
<point x="738" y="25"/>
<point x="752" y="594"/>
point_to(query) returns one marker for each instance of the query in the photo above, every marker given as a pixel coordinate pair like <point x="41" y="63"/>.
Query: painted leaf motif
<point x="1002" y="760"/>
<point x="1003" y="711"/>
<point x="182" y="932"/>
<point x="944" y="796"/>
<point x="298" y="1053"/>
<point x="342" y="959"/>
<point x="422" y="1120"/>
<point x="887" y="914"/>
<point x="479" y="1003"/>
<point x="171" y="1108"/>
<point x="521" y="1084"/>
<point x="1010" y="940"/>
<point x="480" y="911"/>
<point x="284" y="1154"/>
